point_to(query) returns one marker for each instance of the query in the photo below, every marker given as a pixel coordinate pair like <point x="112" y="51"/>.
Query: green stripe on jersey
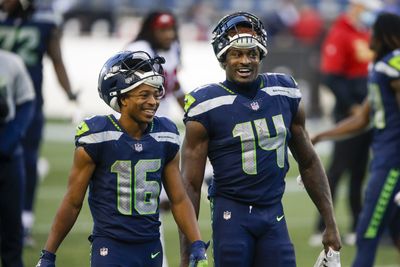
<point x="382" y="203"/>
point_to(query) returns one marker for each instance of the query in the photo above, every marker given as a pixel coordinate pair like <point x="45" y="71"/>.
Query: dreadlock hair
<point x="386" y="32"/>
<point x="146" y="31"/>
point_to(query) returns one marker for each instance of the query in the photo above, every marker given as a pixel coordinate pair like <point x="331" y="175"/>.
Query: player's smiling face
<point x="141" y="103"/>
<point x="242" y="65"/>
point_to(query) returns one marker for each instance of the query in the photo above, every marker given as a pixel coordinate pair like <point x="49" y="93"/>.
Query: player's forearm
<point x="344" y="129"/>
<point x="185" y="218"/>
<point x="63" y="78"/>
<point x="62" y="224"/>
<point x="187" y="236"/>
<point x="317" y="186"/>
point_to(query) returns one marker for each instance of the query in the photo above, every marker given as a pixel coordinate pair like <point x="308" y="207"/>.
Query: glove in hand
<point x="198" y="256"/>
<point x="47" y="259"/>
<point x="330" y="259"/>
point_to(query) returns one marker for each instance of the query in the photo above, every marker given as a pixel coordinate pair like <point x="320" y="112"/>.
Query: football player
<point x="31" y="35"/>
<point x="125" y="163"/>
<point x="381" y="109"/>
<point x="16" y="90"/>
<point x="245" y="125"/>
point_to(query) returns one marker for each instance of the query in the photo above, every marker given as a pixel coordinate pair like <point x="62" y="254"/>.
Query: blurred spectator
<point x="32" y="34"/>
<point x="17" y="101"/>
<point x="158" y="35"/>
<point x="345" y="57"/>
<point x="309" y="27"/>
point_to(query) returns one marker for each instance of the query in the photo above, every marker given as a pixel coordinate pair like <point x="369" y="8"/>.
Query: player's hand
<point x="73" y="96"/>
<point x="198" y="256"/>
<point x="315" y="139"/>
<point x="331" y="238"/>
<point x="47" y="259"/>
<point x="329" y="259"/>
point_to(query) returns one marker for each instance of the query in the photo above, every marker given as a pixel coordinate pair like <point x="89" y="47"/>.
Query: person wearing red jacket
<point x="345" y="56"/>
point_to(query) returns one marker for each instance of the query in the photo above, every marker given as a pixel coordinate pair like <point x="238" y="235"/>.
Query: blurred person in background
<point x="158" y="35"/>
<point x="31" y="35"/>
<point x="124" y="163"/>
<point x="345" y="56"/>
<point x="381" y="110"/>
<point x="16" y="104"/>
<point x="245" y="126"/>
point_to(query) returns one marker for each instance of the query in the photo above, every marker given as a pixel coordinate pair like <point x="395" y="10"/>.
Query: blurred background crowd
<point x="296" y="29"/>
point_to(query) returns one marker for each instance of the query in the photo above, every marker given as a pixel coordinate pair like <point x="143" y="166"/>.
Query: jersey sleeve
<point x="168" y="133"/>
<point x="197" y="105"/>
<point x="287" y="88"/>
<point x="86" y="133"/>
<point x="394" y="64"/>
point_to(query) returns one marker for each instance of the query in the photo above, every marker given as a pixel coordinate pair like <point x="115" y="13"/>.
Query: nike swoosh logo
<point x="153" y="255"/>
<point x="279" y="218"/>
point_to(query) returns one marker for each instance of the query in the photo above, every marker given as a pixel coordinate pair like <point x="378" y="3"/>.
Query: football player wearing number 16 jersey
<point x="245" y="125"/>
<point x="125" y="163"/>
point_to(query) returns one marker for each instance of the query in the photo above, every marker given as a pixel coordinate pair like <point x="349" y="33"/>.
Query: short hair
<point x="146" y="31"/>
<point x="386" y="32"/>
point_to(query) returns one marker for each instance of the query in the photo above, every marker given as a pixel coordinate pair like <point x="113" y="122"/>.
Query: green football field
<point x="74" y="251"/>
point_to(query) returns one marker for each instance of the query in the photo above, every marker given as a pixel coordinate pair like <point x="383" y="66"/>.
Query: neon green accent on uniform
<point x="382" y="203"/>
<point x="189" y="100"/>
<point x="226" y="88"/>
<point x="114" y="122"/>
<point x="202" y="263"/>
<point x="395" y="62"/>
<point x="81" y="128"/>
<point x="152" y="126"/>
<point x="262" y="83"/>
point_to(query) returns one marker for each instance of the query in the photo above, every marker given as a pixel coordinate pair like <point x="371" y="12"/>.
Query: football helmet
<point x="127" y="70"/>
<point x="226" y="34"/>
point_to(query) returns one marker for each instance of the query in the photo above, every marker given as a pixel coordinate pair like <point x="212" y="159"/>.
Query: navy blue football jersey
<point x="125" y="186"/>
<point x="385" y="114"/>
<point x="248" y="136"/>
<point x="29" y="39"/>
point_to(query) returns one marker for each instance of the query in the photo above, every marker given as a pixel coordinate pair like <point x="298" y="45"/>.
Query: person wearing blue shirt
<point x="32" y="34"/>
<point x="245" y="126"/>
<point x="381" y="109"/>
<point x="16" y="104"/>
<point x="125" y="163"/>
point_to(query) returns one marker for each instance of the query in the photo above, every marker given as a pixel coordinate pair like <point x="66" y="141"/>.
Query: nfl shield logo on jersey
<point x="227" y="215"/>
<point x="254" y="105"/>
<point x="138" y="147"/>
<point x="103" y="251"/>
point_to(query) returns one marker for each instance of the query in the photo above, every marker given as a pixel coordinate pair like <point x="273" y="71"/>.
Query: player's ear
<point x="122" y="101"/>
<point x="222" y="64"/>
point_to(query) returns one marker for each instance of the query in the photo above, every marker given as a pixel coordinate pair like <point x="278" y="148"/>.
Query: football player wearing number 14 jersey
<point x="245" y="125"/>
<point x="125" y="163"/>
